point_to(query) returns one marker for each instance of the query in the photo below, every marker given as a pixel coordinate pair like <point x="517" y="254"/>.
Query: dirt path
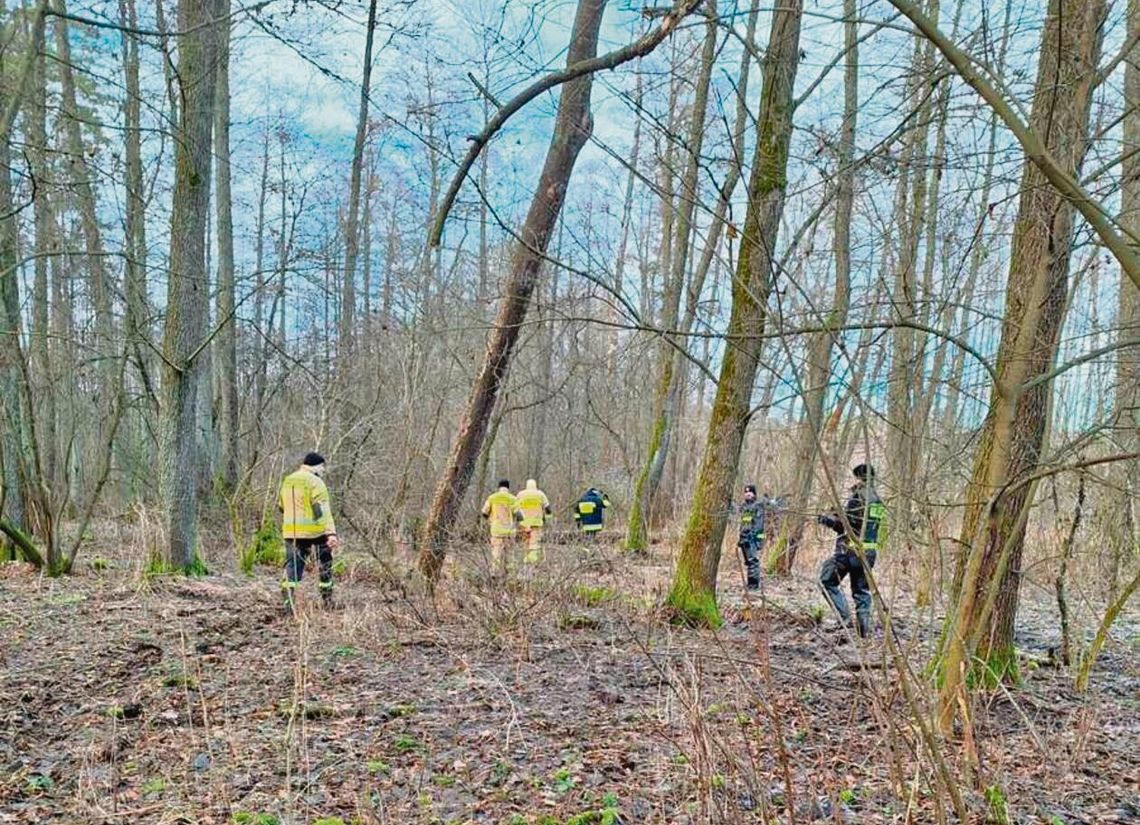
<point x="563" y="696"/>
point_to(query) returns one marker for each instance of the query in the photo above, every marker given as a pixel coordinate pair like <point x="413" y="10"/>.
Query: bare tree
<point x="1012" y="438"/>
<point x="571" y="130"/>
<point x="693" y="592"/>
<point x="187" y="305"/>
<point x="226" y="339"/>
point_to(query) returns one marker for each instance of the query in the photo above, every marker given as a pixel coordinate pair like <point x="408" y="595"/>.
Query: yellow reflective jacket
<point x="534" y="504"/>
<point x="306" y="512"/>
<point x="501" y="507"/>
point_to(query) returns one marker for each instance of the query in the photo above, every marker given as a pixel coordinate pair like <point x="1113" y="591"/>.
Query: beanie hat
<point x="313" y="460"/>
<point x="863" y="471"/>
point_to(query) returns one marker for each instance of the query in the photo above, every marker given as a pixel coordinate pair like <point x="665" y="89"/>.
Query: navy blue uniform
<point x="865" y="513"/>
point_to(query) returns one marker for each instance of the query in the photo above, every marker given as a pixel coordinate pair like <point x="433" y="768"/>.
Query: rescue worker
<point x="535" y="510"/>
<point x="589" y="511"/>
<point x="865" y="513"/>
<point x="753" y="512"/>
<point x="502" y="511"/>
<point x="307" y="526"/>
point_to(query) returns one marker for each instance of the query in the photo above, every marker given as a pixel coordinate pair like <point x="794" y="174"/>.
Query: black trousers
<point x="297" y="552"/>
<point x="749" y="544"/>
<point x="845" y="563"/>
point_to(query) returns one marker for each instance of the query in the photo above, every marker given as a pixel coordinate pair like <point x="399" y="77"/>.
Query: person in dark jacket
<point x="589" y="512"/>
<point x="864" y="512"/>
<point x="752" y="516"/>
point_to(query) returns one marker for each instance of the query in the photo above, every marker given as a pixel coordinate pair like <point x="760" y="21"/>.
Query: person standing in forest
<point x="589" y="511"/>
<point x="535" y="510"/>
<point x="861" y="522"/>
<point x="753" y="513"/>
<point x="503" y="512"/>
<point x="307" y="525"/>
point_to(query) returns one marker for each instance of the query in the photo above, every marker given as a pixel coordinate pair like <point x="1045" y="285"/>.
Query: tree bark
<point x="668" y="390"/>
<point x="693" y="592"/>
<point x="187" y="307"/>
<point x="1127" y="400"/>
<point x="980" y="627"/>
<point x="571" y="130"/>
<point x="226" y="340"/>
<point x="352" y="224"/>
<point x="820" y="344"/>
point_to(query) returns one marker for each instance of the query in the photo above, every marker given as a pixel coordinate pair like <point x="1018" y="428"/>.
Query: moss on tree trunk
<point x="693" y="592"/>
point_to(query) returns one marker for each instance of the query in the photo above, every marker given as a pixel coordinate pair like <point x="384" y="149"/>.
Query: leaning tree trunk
<point x="571" y="130"/>
<point x="980" y="629"/>
<point x="820" y="344"/>
<point x="693" y="594"/>
<point x="187" y="303"/>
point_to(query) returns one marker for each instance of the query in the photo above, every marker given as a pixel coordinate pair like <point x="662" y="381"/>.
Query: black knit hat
<point x="503" y="482"/>
<point x="863" y="471"/>
<point x="313" y="460"/>
<point x="750" y="488"/>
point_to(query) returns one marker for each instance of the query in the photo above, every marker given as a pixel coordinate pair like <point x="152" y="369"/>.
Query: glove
<point x="333" y="541"/>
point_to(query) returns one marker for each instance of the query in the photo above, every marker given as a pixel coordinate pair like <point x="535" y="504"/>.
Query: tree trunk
<point x="187" y="307"/>
<point x="693" y="593"/>
<point x="820" y="344"/>
<point x="981" y="623"/>
<point x="668" y="386"/>
<point x="43" y="221"/>
<point x="81" y="177"/>
<point x="571" y="130"/>
<point x="1127" y="403"/>
<point x="226" y="341"/>
<point x="352" y="225"/>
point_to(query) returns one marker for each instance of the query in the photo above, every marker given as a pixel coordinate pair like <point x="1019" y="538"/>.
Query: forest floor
<point x="564" y="697"/>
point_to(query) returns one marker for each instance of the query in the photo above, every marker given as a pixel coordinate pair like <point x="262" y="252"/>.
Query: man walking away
<point x="307" y="525"/>
<point x="502" y="511"/>
<point x="865" y="513"/>
<point x="752" y="516"/>
<point x="535" y="510"/>
<point x="589" y="512"/>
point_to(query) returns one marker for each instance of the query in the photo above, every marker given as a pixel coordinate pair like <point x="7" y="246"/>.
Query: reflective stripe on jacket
<point x="589" y="512"/>
<point x="534" y="504"/>
<point x="305" y="509"/>
<point x="500" y="507"/>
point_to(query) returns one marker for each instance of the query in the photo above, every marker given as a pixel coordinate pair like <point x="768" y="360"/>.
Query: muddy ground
<point x="564" y="697"/>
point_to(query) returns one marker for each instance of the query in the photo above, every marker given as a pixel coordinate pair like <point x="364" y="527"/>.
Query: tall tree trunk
<point x="14" y="441"/>
<point x="668" y="386"/>
<point x="43" y="221"/>
<point x="187" y="305"/>
<point x="352" y="225"/>
<point x="571" y="129"/>
<point x="81" y="177"/>
<point x="820" y="344"/>
<point x="980" y="626"/>
<point x="1127" y="404"/>
<point x="910" y="214"/>
<point x="226" y="341"/>
<point x="693" y="593"/>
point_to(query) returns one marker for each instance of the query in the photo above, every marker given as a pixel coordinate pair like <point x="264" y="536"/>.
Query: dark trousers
<point x="749" y="544"/>
<point x="296" y="554"/>
<point x="843" y="564"/>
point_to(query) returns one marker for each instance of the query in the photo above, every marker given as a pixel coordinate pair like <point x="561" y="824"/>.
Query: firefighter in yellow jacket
<point x="502" y="511"/>
<point x="535" y="511"/>
<point x="307" y="526"/>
